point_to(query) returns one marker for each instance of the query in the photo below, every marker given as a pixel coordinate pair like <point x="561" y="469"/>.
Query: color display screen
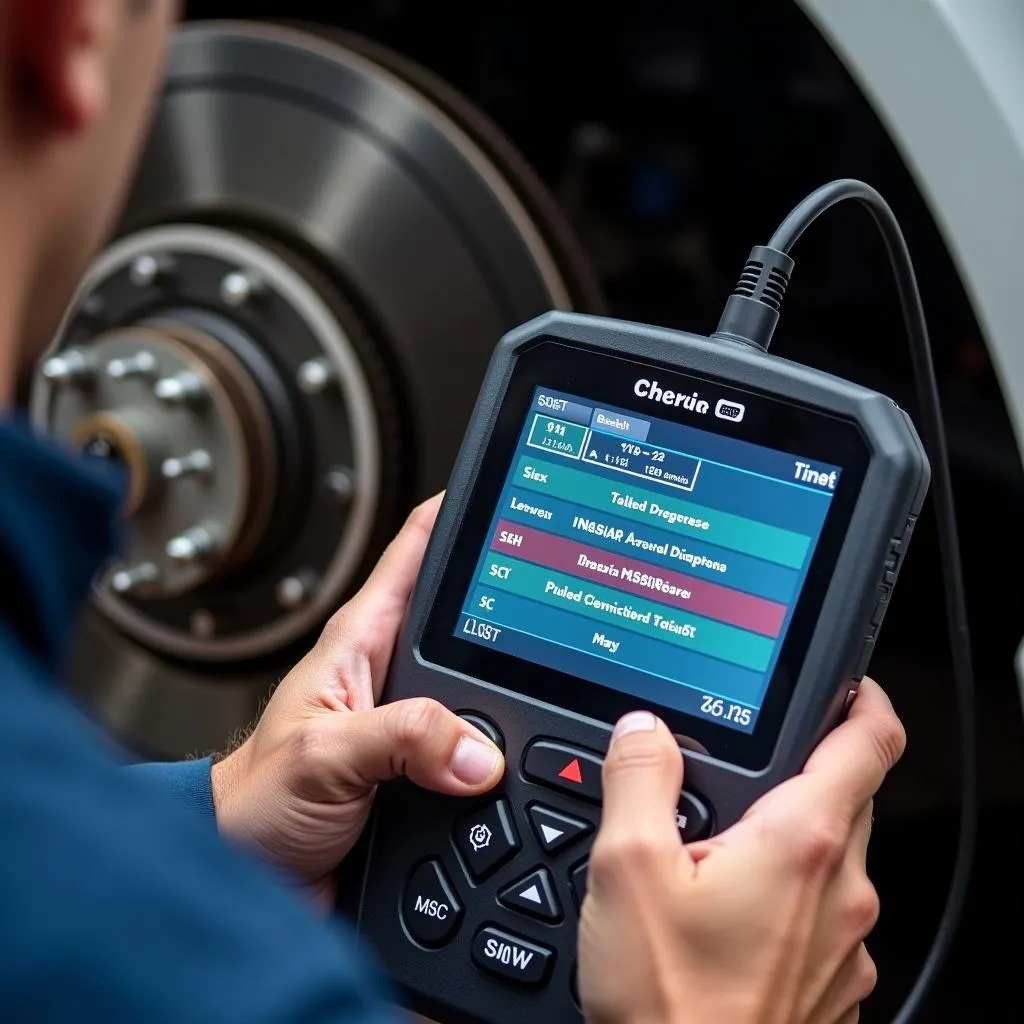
<point x="636" y="536"/>
<point x="654" y="558"/>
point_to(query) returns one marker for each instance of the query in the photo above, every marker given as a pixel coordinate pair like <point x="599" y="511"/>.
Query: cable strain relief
<point x="752" y="311"/>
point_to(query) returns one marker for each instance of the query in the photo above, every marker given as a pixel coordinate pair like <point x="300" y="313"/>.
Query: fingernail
<point x="473" y="762"/>
<point x="635" y="721"/>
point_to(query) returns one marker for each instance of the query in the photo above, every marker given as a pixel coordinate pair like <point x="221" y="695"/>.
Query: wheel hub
<point x="223" y="446"/>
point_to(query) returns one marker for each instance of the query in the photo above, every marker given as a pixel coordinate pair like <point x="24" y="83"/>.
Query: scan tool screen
<point x="651" y="549"/>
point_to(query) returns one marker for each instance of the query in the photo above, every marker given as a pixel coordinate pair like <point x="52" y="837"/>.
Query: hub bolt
<point x="184" y="389"/>
<point x="294" y="591"/>
<point x="93" y="306"/>
<point x="315" y="375"/>
<point x="68" y="368"/>
<point x="239" y="288"/>
<point x="124" y="581"/>
<point x="142" y="364"/>
<point x="202" y="623"/>
<point x="191" y="545"/>
<point x="339" y="483"/>
<point x="147" y="271"/>
<point x="196" y="462"/>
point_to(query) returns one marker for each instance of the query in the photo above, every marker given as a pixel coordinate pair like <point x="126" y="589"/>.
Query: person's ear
<point x="60" y="54"/>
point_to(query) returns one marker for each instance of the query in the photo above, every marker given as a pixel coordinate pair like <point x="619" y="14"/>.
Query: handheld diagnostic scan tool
<point x="638" y="518"/>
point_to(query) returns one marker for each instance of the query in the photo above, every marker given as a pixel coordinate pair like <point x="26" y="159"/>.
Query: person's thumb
<point x="642" y="778"/>
<point x="421" y="739"/>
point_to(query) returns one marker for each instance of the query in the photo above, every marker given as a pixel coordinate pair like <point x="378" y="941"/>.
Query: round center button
<point x="693" y="817"/>
<point x="486" y="726"/>
<point x="430" y="909"/>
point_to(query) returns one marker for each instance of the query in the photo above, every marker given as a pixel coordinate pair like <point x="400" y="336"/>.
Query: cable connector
<point x="752" y="311"/>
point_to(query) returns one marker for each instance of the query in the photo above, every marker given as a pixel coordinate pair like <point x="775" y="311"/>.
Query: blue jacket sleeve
<point x="187" y="781"/>
<point x="120" y="904"/>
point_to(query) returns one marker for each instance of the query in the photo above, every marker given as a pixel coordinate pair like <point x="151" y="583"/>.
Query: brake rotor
<point x="281" y="349"/>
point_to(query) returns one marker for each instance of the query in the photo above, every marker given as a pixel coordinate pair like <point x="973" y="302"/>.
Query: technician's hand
<point x="762" y="924"/>
<point x="300" y="788"/>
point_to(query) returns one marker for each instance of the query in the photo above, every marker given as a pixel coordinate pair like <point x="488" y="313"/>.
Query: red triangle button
<point x="571" y="772"/>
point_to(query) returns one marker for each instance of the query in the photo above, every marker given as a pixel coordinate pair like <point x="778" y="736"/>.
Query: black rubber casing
<point x="410" y="825"/>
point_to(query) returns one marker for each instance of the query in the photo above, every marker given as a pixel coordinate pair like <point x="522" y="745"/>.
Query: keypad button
<point x="578" y="878"/>
<point x="693" y="817"/>
<point x="555" y="830"/>
<point x="534" y="894"/>
<point x="486" y="726"/>
<point x="486" y="837"/>
<point x="511" y="957"/>
<point x="431" y="910"/>
<point x="579" y="772"/>
<point x="569" y="769"/>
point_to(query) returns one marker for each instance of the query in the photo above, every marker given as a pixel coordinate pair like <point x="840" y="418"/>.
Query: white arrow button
<point x="551" y="834"/>
<point x="532" y="894"/>
<point x="555" y="830"/>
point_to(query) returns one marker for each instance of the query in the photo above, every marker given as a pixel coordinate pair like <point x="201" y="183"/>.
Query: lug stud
<point x="125" y="581"/>
<point x="148" y="270"/>
<point x="340" y="484"/>
<point x="202" y="623"/>
<point x="294" y="591"/>
<point x="192" y="545"/>
<point x="239" y="288"/>
<point x="315" y="375"/>
<point x="184" y="389"/>
<point x="142" y="364"/>
<point x="93" y="306"/>
<point x="196" y="462"/>
<point x="69" y="367"/>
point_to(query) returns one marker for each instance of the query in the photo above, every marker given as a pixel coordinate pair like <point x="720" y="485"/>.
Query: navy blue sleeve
<point x="187" y="781"/>
<point x="120" y="904"/>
